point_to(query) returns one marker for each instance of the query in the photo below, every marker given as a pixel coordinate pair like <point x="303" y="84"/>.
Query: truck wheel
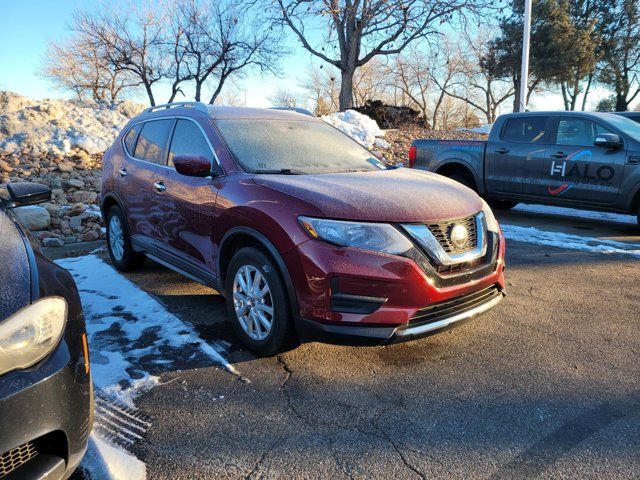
<point x="502" y="204"/>
<point x="258" y="303"/>
<point x="119" y="242"/>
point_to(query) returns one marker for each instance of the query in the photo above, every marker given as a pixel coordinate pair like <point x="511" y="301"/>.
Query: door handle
<point x="502" y="151"/>
<point x="633" y="161"/>
<point x="559" y="155"/>
<point x="160" y="186"/>
<point x="123" y="172"/>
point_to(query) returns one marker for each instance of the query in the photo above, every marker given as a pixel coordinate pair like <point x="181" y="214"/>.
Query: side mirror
<point x="24" y="193"/>
<point x="608" y="140"/>
<point x="192" y="165"/>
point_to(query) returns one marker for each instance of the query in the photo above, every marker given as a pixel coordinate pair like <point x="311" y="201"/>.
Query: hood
<point x="393" y="196"/>
<point x="15" y="276"/>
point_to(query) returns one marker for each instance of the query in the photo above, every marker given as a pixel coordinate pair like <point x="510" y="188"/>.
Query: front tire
<point x="258" y="303"/>
<point x="119" y="242"/>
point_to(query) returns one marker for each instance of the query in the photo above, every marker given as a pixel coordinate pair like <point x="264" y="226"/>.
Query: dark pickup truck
<point x="573" y="159"/>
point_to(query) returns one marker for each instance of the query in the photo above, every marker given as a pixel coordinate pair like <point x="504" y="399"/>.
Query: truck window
<point x="579" y="132"/>
<point x="525" y="129"/>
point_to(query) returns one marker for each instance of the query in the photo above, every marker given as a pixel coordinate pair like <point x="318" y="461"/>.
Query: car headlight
<point x="32" y="333"/>
<point x="380" y="237"/>
<point x="492" y="223"/>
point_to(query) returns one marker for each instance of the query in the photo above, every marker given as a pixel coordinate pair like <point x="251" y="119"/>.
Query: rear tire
<point x="258" y="303"/>
<point x="501" y="204"/>
<point x="119" y="242"/>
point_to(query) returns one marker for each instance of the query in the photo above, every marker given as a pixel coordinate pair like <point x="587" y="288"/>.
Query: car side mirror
<point x="608" y="140"/>
<point x="192" y="165"/>
<point x="24" y="193"/>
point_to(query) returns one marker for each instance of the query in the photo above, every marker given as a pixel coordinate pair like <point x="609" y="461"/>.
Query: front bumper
<point x="46" y="417"/>
<point x="348" y="295"/>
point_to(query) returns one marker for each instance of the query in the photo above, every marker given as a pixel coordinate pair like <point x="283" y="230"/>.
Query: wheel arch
<point x="460" y="167"/>
<point x="239" y="237"/>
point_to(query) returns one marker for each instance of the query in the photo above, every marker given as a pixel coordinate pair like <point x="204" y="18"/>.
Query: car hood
<point x="395" y="196"/>
<point x="15" y="275"/>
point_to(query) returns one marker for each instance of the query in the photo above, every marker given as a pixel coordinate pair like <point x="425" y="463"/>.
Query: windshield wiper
<point x="282" y="171"/>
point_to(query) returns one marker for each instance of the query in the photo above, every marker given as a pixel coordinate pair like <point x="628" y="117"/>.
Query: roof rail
<point x="303" y="111"/>
<point x="197" y="105"/>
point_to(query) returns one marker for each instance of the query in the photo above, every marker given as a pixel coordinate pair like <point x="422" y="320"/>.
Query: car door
<point x="579" y="171"/>
<point x="514" y="163"/>
<point x="185" y="206"/>
<point x="145" y="145"/>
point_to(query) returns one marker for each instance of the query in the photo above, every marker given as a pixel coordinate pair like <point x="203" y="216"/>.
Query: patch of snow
<point x="106" y="461"/>
<point x="132" y="338"/>
<point x="574" y="212"/>
<point x="59" y="125"/>
<point x="569" y="241"/>
<point x="361" y="128"/>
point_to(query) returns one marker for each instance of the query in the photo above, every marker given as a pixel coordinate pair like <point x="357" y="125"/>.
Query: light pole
<point x="524" y="73"/>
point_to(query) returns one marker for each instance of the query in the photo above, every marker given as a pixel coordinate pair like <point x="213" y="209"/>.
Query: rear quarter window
<point x="153" y="140"/>
<point x="130" y="139"/>
<point x="525" y="129"/>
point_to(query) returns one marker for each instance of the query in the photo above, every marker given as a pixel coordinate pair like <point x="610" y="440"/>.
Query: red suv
<point x="302" y="229"/>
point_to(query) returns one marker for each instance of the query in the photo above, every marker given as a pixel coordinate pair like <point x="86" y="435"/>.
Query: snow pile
<point x="132" y="339"/>
<point x="59" y="125"/>
<point x="361" y="128"/>
<point x="573" y="213"/>
<point x="569" y="241"/>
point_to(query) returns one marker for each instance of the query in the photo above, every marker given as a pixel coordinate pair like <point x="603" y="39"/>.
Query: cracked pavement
<point x="545" y="385"/>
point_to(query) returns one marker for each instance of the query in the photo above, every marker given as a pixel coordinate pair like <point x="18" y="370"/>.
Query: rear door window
<point x="153" y="140"/>
<point x="525" y="129"/>
<point x="188" y="140"/>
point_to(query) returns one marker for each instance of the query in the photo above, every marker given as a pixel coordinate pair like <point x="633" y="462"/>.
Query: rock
<point x="52" y="208"/>
<point x="75" y="183"/>
<point x="90" y="236"/>
<point x="56" y="184"/>
<point x="52" y="242"/>
<point x="5" y="167"/>
<point x="34" y="217"/>
<point x="70" y="239"/>
<point x="65" y="167"/>
<point x="76" y="210"/>
<point x="75" y="221"/>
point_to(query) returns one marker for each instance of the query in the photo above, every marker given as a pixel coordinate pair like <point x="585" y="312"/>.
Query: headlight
<point x="381" y="237"/>
<point x="32" y="333"/>
<point x="492" y="223"/>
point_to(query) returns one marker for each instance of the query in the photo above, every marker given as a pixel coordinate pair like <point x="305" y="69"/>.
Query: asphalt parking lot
<point x="545" y="385"/>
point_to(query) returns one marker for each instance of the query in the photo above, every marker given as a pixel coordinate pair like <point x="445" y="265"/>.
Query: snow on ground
<point x="132" y="340"/>
<point x="360" y="127"/>
<point x="59" y="125"/>
<point x="573" y="212"/>
<point x="569" y="241"/>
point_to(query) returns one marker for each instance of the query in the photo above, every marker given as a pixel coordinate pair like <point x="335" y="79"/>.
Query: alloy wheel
<point x="253" y="302"/>
<point x="116" y="238"/>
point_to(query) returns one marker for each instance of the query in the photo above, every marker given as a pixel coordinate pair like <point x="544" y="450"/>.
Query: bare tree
<point x="476" y="83"/>
<point x="133" y="41"/>
<point x="283" y="97"/>
<point x="80" y="66"/>
<point x="370" y="82"/>
<point x="322" y="90"/>
<point x="356" y="31"/>
<point x="410" y="75"/>
<point x="446" y="63"/>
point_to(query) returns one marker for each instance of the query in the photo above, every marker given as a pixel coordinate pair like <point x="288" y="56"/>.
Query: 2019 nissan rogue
<point x="301" y="228"/>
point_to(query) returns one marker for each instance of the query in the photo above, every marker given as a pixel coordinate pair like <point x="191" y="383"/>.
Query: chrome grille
<point x="17" y="457"/>
<point x="442" y="232"/>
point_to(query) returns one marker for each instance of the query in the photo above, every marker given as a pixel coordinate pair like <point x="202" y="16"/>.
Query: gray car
<point x="573" y="159"/>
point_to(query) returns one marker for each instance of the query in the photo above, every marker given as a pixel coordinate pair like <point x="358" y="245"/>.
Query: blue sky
<point x="28" y="26"/>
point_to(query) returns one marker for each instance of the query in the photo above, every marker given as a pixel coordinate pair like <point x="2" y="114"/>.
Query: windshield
<point x="626" y="125"/>
<point x="294" y="146"/>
